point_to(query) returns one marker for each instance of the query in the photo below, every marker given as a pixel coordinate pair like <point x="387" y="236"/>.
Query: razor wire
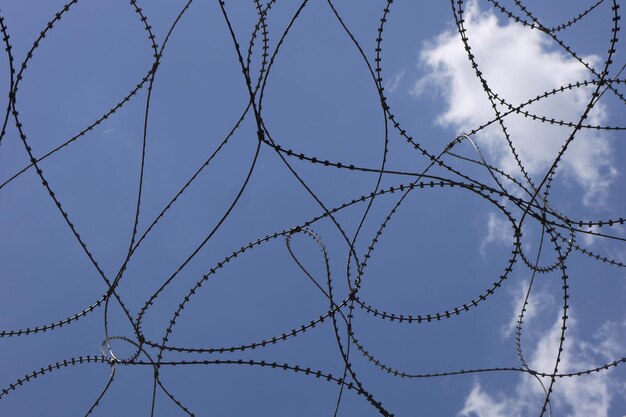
<point x="513" y="194"/>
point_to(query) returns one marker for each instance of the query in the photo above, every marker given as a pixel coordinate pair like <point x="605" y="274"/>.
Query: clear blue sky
<point x="442" y="248"/>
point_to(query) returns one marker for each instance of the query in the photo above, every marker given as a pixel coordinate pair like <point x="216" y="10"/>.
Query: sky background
<point x="442" y="248"/>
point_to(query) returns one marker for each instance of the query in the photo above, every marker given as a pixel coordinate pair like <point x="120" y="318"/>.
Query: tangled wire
<point x="521" y="199"/>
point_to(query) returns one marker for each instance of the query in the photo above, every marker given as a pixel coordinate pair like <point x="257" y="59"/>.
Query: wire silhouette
<point x="530" y="199"/>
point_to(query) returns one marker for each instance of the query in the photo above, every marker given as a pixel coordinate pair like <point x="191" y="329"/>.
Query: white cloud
<point x="498" y="232"/>
<point x="519" y="63"/>
<point x="585" y="396"/>
<point x="391" y="86"/>
<point x="538" y="301"/>
<point x="589" y="239"/>
<point x="479" y="403"/>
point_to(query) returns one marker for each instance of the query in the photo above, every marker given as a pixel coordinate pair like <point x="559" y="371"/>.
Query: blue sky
<point x="442" y="248"/>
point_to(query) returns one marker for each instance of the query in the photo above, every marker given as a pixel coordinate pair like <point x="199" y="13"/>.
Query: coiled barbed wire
<point x="519" y="198"/>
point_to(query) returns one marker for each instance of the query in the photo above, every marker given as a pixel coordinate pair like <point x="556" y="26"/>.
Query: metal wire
<point x="516" y="196"/>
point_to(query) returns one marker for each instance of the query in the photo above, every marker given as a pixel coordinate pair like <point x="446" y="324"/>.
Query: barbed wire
<point x="515" y="195"/>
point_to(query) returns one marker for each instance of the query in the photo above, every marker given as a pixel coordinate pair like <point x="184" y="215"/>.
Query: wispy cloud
<point x="498" y="232"/>
<point x="538" y="303"/>
<point x="586" y="396"/>
<point x="391" y="86"/>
